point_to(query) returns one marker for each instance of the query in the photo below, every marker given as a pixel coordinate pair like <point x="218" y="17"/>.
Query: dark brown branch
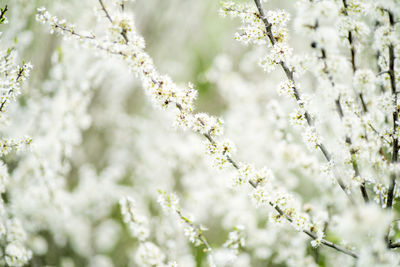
<point x="350" y="39"/>
<point x="123" y="32"/>
<point x="395" y="144"/>
<point x="3" y="12"/>
<point x="394" y="245"/>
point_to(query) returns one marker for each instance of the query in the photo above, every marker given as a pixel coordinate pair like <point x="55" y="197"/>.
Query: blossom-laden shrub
<point x="296" y="164"/>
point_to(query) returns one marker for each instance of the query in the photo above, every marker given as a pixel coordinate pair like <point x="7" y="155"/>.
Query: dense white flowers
<point x="364" y="80"/>
<point x="311" y="138"/>
<point x="236" y="239"/>
<point x="205" y="124"/>
<point x="17" y="255"/>
<point x="12" y="76"/>
<point x="138" y="224"/>
<point x="294" y="166"/>
<point x="148" y="254"/>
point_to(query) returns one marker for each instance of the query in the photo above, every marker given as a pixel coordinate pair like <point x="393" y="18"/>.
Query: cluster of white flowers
<point x="7" y="145"/>
<point x="170" y="203"/>
<point x="148" y="254"/>
<point x="248" y="173"/>
<point x="236" y="239"/>
<point x="12" y="77"/>
<point x="138" y="224"/>
<point x="220" y="152"/>
<point x="364" y="80"/>
<point x="205" y="124"/>
<point x="253" y="30"/>
<point x="311" y="138"/>
<point x="16" y="254"/>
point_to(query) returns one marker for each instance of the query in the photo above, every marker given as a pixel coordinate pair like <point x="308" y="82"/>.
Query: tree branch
<point x="395" y="144"/>
<point x="290" y="76"/>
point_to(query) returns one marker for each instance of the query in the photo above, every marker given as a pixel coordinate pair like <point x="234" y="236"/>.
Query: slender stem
<point x="395" y="143"/>
<point x="105" y="11"/>
<point x="123" y="32"/>
<point x="3" y="12"/>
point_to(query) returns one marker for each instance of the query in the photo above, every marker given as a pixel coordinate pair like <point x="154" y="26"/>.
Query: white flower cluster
<point x="311" y="138"/>
<point x="286" y="88"/>
<point x="16" y="254"/>
<point x="220" y="152"/>
<point x="12" y="76"/>
<point x="364" y="80"/>
<point x="148" y="253"/>
<point x="248" y="173"/>
<point x="138" y="224"/>
<point x="280" y="52"/>
<point x="170" y="203"/>
<point x="205" y="124"/>
<point x="8" y="145"/>
<point x="57" y="25"/>
<point x="253" y="30"/>
<point x="236" y="239"/>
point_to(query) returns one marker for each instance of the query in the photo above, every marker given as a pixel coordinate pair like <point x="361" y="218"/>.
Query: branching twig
<point x="339" y="110"/>
<point x="290" y="76"/>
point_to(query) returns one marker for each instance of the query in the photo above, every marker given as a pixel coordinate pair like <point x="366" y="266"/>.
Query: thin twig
<point x="350" y="39"/>
<point x="123" y="32"/>
<point x="395" y="144"/>
<point x="3" y="12"/>
<point x="105" y="11"/>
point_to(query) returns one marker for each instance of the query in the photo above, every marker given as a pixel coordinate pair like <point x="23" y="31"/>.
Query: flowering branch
<point x="350" y="39"/>
<point x="3" y="12"/>
<point x="290" y="76"/>
<point x="339" y="110"/>
<point x="395" y="143"/>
